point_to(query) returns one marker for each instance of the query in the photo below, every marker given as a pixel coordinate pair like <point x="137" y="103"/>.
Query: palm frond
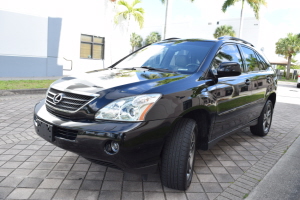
<point x="140" y="10"/>
<point x="135" y="2"/>
<point x="123" y="3"/>
<point x="139" y="18"/>
<point x="255" y="7"/>
<point x="137" y="13"/>
<point x="228" y="3"/>
<point x="116" y="18"/>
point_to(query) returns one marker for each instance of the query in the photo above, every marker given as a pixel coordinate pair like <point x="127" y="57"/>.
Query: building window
<point x="91" y="47"/>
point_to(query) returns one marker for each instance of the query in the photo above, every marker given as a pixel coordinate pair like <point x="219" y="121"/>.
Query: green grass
<point x="24" y="84"/>
<point x="245" y="196"/>
<point x="290" y="80"/>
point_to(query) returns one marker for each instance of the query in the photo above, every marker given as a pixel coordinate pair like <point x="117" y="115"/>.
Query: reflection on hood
<point x="110" y="78"/>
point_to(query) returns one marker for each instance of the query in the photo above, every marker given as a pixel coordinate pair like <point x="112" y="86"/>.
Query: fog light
<point x="35" y="121"/>
<point x="112" y="147"/>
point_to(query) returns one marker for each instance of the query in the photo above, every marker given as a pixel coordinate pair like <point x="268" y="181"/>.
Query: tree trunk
<point x="166" y="19"/>
<point x="288" y="68"/>
<point x="241" y="20"/>
<point x="128" y="25"/>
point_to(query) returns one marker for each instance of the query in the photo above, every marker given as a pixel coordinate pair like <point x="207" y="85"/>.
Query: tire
<point x="178" y="155"/>
<point x="264" y="120"/>
<point x="298" y="85"/>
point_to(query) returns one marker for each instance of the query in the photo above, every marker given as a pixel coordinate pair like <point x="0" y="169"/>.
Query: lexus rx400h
<point x="154" y="108"/>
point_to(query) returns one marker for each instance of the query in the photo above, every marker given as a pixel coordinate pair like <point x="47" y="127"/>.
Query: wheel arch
<point x="272" y="98"/>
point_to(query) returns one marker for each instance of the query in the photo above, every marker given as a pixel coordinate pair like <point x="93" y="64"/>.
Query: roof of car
<point x="223" y="38"/>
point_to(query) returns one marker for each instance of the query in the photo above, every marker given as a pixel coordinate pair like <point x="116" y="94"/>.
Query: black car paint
<point x="141" y="143"/>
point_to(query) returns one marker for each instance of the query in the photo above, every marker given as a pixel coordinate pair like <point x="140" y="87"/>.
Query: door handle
<point x="247" y="82"/>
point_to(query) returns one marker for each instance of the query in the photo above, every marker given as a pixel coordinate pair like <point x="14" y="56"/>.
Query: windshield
<point x="183" y="56"/>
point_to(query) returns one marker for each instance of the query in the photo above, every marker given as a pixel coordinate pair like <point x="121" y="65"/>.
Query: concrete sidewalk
<point x="283" y="181"/>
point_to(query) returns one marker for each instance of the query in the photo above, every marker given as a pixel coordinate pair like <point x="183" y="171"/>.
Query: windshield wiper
<point x="149" y="68"/>
<point x="158" y="69"/>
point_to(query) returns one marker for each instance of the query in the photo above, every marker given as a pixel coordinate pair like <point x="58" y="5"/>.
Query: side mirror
<point x="229" y="69"/>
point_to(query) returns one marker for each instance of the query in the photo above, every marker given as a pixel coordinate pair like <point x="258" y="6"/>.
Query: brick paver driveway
<point x="31" y="168"/>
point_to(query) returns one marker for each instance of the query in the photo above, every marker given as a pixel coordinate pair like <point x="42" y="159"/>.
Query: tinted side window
<point x="228" y="53"/>
<point x="251" y="62"/>
<point x="261" y="62"/>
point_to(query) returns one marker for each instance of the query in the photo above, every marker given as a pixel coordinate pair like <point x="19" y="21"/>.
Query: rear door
<point x="267" y="75"/>
<point x="256" y="69"/>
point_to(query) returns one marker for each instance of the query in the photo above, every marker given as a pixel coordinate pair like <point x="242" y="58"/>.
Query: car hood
<point x="132" y="81"/>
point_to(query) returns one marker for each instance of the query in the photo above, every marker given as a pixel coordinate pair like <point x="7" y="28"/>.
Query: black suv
<point x="156" y="106"/>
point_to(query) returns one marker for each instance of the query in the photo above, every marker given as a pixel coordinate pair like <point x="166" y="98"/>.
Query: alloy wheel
<point x="267" y="118"/>
<point x="190" y="161"/>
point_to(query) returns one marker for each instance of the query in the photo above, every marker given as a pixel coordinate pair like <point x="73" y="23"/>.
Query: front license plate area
<point x="45" y="130"/>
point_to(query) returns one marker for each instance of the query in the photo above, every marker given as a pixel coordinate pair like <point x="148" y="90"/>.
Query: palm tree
<point x="152" y="38"/>
<point x="131" y="12"/>
<point x="224" y="30"/>
<point x="288" y="47"/>
<point x="166" y="16"/>
<point x="254" y="4"/>
<point x="135" y="40"/>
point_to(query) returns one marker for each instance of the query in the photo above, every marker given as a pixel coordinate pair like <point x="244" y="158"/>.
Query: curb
<point x="16" y="92"/>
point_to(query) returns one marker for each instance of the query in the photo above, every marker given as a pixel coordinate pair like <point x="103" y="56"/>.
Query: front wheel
<point x="178" y="156"/>
<point x="264" y="121"/>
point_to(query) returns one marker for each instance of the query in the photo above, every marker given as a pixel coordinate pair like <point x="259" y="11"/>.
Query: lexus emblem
<point x="57" y="98"/>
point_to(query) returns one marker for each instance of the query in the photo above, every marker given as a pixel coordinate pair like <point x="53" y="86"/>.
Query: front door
<point x="233" y="94"/>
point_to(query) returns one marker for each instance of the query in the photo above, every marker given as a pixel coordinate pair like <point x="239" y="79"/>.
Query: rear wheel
<point x="264" y="120"/>
<point x="178" y="156"/>
<point x="298" y="85"/>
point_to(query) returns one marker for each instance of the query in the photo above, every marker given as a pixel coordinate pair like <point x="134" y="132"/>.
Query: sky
<point x="279" y="17"/>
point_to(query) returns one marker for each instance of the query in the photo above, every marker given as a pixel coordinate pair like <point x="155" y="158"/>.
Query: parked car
<point x="298" y="82"/>
<point x="155" y="107"/>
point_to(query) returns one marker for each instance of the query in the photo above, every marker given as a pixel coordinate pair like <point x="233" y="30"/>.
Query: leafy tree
<point x="135" y="41"/>
<point x="254" y="4"/>
<point x="224" y="30"/>
<point x="288" y="47"/>
<point x="152" y="38"/>
<point x="131" y="12"/>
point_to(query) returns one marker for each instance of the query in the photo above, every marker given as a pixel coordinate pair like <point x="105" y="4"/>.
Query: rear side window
<point x="251" y="61"/>
<point x="263" y="61"/>
<point x="228" y="53"/>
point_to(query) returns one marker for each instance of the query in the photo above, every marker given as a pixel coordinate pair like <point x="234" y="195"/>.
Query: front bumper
<point x="140" y="143"/>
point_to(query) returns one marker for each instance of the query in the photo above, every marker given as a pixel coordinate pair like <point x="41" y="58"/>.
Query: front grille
<point x="70" y="102"/>
<point x="68" y="134"/>
<point x="64" y="115"/>
<point x="104" y="163"/>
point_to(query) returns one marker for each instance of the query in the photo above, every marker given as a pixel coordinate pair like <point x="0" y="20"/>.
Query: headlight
<point x="132" y="108"/>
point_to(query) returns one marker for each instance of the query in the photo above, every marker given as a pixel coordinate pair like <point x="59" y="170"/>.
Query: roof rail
<point x="226" y="37"/>
<point x="170" y="39"/>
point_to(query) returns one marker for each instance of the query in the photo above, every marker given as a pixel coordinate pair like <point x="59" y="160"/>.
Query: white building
<point x="205" y="29"/>
<point x="41" y="38"/>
